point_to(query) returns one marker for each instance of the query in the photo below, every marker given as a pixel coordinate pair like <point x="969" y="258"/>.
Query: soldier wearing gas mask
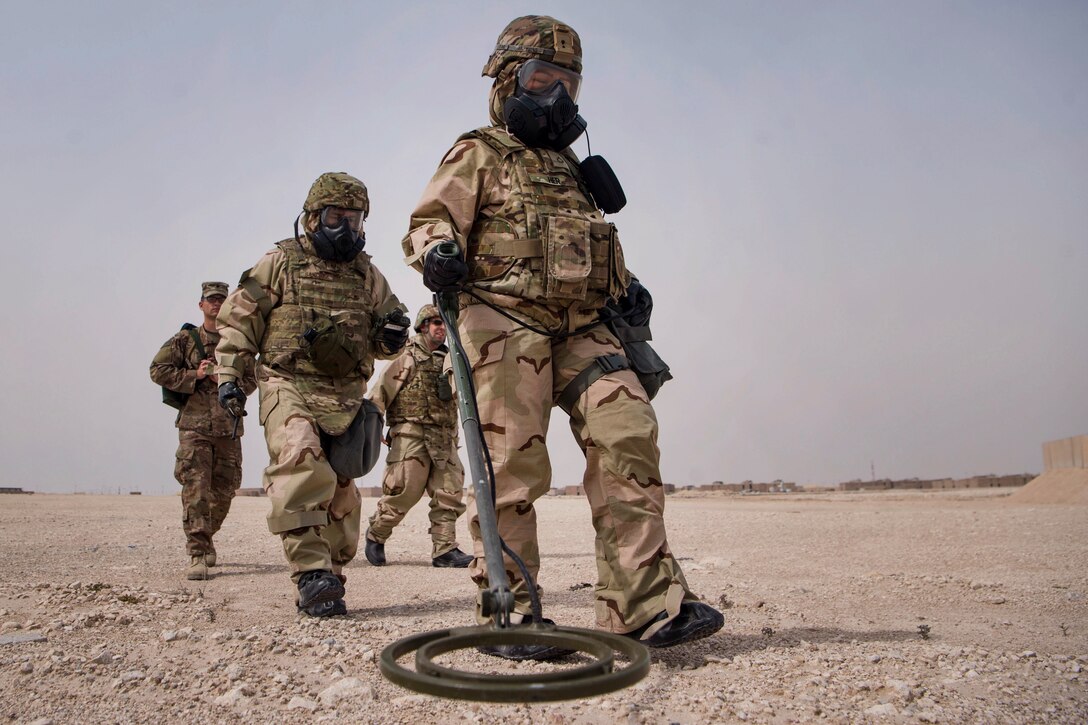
<point x="537" y="263"/>
<point x="417" y="399"/>
<point x="318" y="313"/>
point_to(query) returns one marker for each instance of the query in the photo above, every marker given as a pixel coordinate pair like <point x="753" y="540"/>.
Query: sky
<point x="864" y="225"/>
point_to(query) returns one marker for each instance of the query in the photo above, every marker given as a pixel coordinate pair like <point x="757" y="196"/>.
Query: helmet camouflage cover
<point x="335" y="188"/>
<point x="426" y="312"/>
<point x="536" y="36"/>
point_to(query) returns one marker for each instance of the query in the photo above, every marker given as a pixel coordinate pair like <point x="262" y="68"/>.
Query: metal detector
<point x="599" y="676"/>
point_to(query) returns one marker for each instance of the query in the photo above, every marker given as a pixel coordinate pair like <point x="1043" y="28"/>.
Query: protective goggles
<point x="333" y="216"/>
<point x="538" y="76"/>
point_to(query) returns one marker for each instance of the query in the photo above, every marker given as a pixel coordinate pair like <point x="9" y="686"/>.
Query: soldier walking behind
<point x="318" y="313"/>
<point x="537" y="264"/>
<point x="418" y="402"/>
<point x="209" y="458"/>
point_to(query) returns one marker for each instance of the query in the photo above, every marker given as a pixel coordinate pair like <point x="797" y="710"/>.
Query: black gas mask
<point x="542" y="113"/>
<point x="339" y="235"/>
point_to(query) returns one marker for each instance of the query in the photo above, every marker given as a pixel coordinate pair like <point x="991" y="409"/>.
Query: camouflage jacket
<point x="531" y="235"/>
<point x="407" y="392"/>
<point x="175" y="367"/>
<point x="291" y="275"/>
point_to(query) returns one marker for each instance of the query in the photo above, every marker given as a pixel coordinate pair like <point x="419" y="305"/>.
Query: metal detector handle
<point x="498" y="599"/>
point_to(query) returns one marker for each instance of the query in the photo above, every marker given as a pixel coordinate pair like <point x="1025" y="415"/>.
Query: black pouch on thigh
<point x="652" y="371"/>
<point x="354" y="453"/>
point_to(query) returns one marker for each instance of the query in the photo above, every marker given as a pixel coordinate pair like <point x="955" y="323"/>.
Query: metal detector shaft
<point x="498" y="599"/>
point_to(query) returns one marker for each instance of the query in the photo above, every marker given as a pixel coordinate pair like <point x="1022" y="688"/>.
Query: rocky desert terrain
<point x="934" y="607"/>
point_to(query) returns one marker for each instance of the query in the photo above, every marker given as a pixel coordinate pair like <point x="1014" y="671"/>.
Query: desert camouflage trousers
<point x="209" y="469"/>
<point x="313" y="511"/>
<point x="519" y="375"/>
<point x="409" y="471"/>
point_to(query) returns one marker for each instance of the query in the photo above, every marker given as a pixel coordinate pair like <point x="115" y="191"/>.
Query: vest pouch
<point x="443" y="388"/>
<point x="329" y="348"/>
<point x="618" y="276"/>
<point x="353" y="453"/>
<point x="567" y="259"/>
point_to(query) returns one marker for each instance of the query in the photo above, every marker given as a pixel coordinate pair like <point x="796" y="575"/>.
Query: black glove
<point x="443" y="274"/>
<point x="393" y="333"/>
<point x="636" y="305"/>
<point x="232" y="399"/>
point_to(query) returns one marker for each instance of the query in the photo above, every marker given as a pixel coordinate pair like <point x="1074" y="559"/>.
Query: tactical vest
<point x="548" y="243"/>
<point x="316" y="288"/>
<point x="418" y="401"/>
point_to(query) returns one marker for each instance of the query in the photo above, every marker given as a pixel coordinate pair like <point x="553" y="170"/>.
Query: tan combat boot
<point x="209" y="559"/>
<point x="197" y="569"/>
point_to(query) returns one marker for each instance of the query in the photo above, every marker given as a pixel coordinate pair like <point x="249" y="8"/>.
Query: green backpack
<point x="171" y="397"/>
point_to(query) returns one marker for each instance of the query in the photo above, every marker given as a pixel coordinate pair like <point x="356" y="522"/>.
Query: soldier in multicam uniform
<point x="418" y="402"/>
<point x="209" y="457"/>
<point x="318" y="313"/>
<point x="534" y="247"/>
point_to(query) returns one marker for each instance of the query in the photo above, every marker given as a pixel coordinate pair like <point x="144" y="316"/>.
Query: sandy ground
<point x="926" y="607"/>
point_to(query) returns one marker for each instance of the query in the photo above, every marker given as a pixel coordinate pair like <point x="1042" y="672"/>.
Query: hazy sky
<point x="865" y="225"/>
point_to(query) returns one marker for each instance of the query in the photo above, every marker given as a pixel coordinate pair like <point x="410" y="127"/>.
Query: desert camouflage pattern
<point x="423" y="454"/>
<point x="207" y="289"/>
<point x="316" y="515"/>
<point x="535" y="36"/>
<point x="295" y="285"/>
<point x="537" y="246"/>
<point x="408" y="389"/>
<point x="519" y="375"/>
<point x="174" y="366"/>
<point x="426" y="312"/>
<point x="209" y="469"/>
<point x="315" y="512"/>
<point x="411" y="471"/>
<point x="208" y="464"/>
<point x="526" y="38"/>
<point x="335" y="188"/>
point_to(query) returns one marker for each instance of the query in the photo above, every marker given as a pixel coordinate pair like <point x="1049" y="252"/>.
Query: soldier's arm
<point x="169" y="368"/>
<point x="249" y="380"/>
<point x="457" y="192"/>
<point x="244" y="316"/>
<point x="382" y="301"/>
<point x="391" y="380"/>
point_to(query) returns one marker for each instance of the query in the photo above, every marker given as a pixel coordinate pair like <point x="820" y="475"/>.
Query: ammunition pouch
<point x="329" y="348"/>
<point x="354" y="453"/>
<point x="444" y="389"/>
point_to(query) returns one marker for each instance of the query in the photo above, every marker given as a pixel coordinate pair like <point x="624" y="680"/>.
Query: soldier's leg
<point x="226" y="478"/>
<point x="342" y="533"/>
<point x="513" y="375"/>
<point x="638" y="577"/>
<point x="406" y="469"/>
<point x="446" y="487"/>
<point x="299" y="481"/>
<point x="193" y="470"/>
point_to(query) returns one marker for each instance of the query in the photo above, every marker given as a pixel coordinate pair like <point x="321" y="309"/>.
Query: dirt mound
<point x="1063" y="485"/>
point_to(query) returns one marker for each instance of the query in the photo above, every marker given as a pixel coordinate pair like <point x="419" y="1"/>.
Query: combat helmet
<point x="336" y="188"/>
<point x="535" y="36"/>
<point x="426" y="312"/>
